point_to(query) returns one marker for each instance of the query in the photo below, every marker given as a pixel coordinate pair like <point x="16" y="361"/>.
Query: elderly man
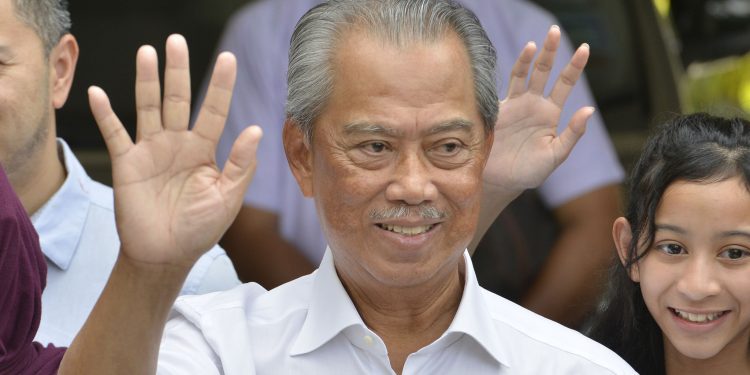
<point x="551" y="272"/>
<point x="391" y="110"/>
<point x="73" y="214"/>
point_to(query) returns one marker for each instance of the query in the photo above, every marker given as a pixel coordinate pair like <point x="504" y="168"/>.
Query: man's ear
<point x="62" y="64"/>
<point x="623" y="236"/>
<point x="299" y="156"/>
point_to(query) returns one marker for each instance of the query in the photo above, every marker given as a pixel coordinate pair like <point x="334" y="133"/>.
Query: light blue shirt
<point x="79" y="239"/>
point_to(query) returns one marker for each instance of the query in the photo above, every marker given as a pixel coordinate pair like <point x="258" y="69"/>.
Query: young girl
<point x="679" y="298"/>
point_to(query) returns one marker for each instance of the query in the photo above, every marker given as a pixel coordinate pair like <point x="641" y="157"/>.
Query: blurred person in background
<point x="73" y="214"/>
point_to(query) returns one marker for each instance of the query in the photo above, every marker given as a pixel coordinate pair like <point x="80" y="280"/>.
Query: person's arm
<point x="527" y="147"/>
<point x="572" y="276"/>
<point x="259" y="252"/>
<point x="172" y="203"/>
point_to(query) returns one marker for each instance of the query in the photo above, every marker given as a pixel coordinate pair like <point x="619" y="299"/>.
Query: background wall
<point x="109" y="34"/>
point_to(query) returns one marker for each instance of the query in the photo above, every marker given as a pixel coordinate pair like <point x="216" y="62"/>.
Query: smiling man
<point x="391" y="119"/>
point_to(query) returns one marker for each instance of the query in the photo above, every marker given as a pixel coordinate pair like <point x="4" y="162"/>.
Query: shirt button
<point x="368" y="340"/>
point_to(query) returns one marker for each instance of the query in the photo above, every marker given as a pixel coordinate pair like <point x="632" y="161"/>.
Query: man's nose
<point x="699" y="279"/>
<point x="412" y="182"/>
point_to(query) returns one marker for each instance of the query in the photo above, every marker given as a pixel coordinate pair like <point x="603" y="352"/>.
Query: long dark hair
<point x="696" y="148"/>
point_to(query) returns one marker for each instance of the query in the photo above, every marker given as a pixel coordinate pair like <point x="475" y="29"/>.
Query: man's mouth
<point x="698" y="318"/>
<point x="407" y="231"/>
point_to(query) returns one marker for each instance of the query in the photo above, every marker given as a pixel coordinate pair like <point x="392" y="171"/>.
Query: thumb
<point x="240" y="166"/>
<point x="572" y="133"/>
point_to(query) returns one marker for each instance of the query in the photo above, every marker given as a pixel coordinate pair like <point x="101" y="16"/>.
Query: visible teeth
<point x="698" y="318"/>
<point x="409" y="231"/>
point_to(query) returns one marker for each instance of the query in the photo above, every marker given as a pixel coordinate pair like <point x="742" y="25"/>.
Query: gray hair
<point x="399" y="22"/>
<point x="50" y="19"/>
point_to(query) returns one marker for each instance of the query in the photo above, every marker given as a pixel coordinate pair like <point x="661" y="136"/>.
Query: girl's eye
<point x="671" y="249"/>
<point x="734" y="253"/>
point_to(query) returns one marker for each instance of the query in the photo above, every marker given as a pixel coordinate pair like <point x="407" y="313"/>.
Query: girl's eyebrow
<point x="729" y="233"/>
<point x="735" y="233"/>
<point x="671" y="228"/>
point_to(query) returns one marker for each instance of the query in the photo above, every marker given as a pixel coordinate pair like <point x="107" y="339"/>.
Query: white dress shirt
<point x="310" y="326"/>
<point x="78" y="236"/>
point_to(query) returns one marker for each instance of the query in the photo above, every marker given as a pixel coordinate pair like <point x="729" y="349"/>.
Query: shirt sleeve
<point x="212" y="272"/>
<point x="219" y="276"/>
<point x="184" y="350"/>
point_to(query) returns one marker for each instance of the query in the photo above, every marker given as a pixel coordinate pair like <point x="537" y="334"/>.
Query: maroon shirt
<point x="23" y="275"/>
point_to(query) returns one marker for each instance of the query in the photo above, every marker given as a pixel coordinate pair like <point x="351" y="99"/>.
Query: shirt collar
<point x="61" y="218"/>
<point x="331" y="311"/>
<point x="473" y="317"/>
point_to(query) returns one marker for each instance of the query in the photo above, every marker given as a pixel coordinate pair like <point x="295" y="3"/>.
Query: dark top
<point x="23" y="274"/>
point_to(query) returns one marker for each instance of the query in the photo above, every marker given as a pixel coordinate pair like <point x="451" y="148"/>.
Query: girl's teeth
<point x="698" y="318"/>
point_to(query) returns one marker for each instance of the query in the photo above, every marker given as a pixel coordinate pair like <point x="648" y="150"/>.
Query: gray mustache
<point x="423" y="211"/>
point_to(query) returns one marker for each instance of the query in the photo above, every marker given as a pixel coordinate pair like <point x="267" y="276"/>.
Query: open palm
<point x="172" y="203"/>
<point x="527" y="147"/>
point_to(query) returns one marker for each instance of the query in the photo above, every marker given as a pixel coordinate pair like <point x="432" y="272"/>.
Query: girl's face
<point x="695" y="278"/>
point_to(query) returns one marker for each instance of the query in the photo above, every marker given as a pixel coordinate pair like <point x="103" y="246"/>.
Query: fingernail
<point x="554" y="27"/>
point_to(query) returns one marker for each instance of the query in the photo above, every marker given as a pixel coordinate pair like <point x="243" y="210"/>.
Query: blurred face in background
<point x="26" y="111"/>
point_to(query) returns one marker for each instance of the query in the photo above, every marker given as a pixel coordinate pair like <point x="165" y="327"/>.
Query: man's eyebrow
<point x="452" y="125"/>
<point x="369" y="128"/>
<point x="374" y="128"/>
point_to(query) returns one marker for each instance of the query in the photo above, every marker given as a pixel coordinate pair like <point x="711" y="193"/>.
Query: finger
<point x="240" y="166"/>
<point x="213" y="112"/>
<point x="544" y="62"/>
<point x="176" y="113"/>
<point x="572" y="133"/>
<point x="147" y="92"/>
<point x="115" y="136"/>
<point x="570" y="75"/>
<point x="520" y="72"/>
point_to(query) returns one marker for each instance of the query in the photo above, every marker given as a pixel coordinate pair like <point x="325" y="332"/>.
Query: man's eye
<point x="671" y="249"/>
<point x="375" y="147"/>
<point x="734" y="253"/>
<point x="447" y="148"/>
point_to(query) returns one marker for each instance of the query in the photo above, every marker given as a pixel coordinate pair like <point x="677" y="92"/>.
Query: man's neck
<point x="40" y="178"/>
<point x="410" y="318"/>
